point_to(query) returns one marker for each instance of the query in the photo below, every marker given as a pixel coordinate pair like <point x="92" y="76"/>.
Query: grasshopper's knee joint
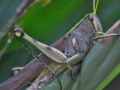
<point x="18" y="32"/>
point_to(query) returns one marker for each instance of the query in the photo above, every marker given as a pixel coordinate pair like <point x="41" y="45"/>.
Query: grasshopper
<point x="82" y="38"/>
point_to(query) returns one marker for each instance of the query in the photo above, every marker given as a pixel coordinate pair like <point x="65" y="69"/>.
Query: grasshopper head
<point x="95" y="21"/>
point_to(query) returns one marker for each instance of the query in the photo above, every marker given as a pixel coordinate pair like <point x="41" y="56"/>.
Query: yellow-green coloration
<point x="75" y="44"/>
<point x="51" y="52"/>
<point x="95" y="6"/>
<point x="18" y="34"/>
<point x="89" y="27"/>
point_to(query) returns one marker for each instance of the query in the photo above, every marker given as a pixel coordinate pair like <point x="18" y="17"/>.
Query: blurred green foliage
<point x="47" y="21"/>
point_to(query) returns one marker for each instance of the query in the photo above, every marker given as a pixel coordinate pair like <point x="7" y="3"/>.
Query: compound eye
<point x="90" y="17"/>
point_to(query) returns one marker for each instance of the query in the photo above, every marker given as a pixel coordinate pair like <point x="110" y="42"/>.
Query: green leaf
<point x="99" y="63"/>
<point x="47" y="21"/>
<point x="112" y="75"/>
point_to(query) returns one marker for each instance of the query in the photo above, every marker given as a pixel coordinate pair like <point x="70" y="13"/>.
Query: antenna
<point x="95" y="5"/>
